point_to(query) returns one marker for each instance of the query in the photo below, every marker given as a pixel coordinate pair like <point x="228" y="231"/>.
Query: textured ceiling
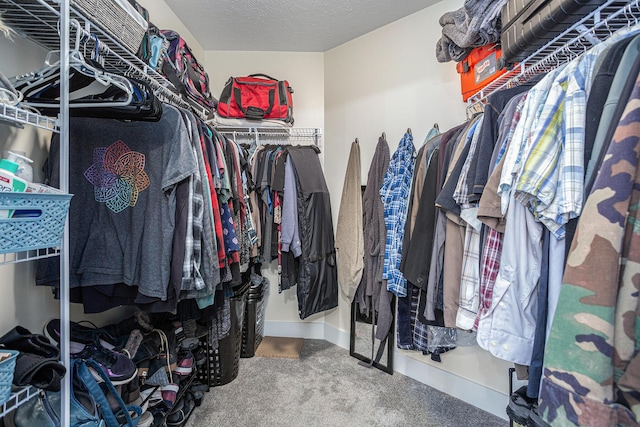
<point x="287" y="25"/>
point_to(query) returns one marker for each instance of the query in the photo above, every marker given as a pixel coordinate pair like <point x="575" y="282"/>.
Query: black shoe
<point x="520" y="405"/>
<point x="21" y="339"/>
<point x="80" y="334"/>
<point x="119" y="368"/>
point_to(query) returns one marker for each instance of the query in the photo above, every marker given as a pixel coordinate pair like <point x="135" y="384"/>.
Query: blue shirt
<point x="394" y="193"/>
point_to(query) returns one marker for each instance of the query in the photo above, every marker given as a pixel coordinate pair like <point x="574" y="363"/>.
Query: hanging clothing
<point x="290" y="234"/>
<point x="434" y="296"/>
<point x="349" y="231"/>
<point x="394" y="193"/>
<point x="372" y="295"/>
<point x="602" y="116"/>
<point x="422" y="223"/>
<point x="598" y="385"/>
<point x="318" y="277"/>
<point x="123" y="173"/>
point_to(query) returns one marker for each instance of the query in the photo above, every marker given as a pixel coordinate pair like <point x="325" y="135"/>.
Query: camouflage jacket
<point x="591" y="373"/>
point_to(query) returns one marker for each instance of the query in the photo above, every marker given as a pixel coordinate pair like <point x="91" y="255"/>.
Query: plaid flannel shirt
<point x="394" y="193"/>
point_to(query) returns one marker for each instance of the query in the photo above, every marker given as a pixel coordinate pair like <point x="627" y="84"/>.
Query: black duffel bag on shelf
<point x="527" y="25"/>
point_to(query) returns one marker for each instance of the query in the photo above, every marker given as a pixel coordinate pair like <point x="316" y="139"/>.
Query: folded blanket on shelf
<point x="475" y="24"/>
<point x="243" y="123"/>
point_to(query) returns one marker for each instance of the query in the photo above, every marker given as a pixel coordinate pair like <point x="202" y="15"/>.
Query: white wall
<point x="386" y="81"/>
<point x="305" y="74"/>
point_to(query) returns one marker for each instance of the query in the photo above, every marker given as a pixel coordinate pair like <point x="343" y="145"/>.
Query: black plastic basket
<point x="253" y="327"/>
<point x="222" y="363"/>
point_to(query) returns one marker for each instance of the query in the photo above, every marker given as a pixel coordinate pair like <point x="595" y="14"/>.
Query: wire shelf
<point x="38" y="21"/>
<point x="591" y="29"/>
<point x="272" y="135"/>
<point x="18" y="115"/>
<point x="31" y="255"/>
<point x="18" y="398"/>
<point x="270" y="131"/>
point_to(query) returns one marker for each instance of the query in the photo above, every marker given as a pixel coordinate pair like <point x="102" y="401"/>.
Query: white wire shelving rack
<point x="18" y="398"/>
<point x="57" y="25"/>
<point x="31" y="255"/>
<point x="588" y="31"/>
<point x="15" y="114"/>
<point x="39" y="20"/>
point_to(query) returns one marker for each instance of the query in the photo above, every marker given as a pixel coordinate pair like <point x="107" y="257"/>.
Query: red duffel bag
<point x="256" y="97"/>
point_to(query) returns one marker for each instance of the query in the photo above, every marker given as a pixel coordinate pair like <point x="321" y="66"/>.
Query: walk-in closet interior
<point x="481" y="244"/>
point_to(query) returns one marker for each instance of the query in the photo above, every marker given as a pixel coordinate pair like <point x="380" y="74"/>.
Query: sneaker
<point x="190" y="344"/>
<point x="185" y="366"/>
<point x="189" y="327"/>
<point x="169" y="394"/>
<point x="80" y="334"/>
<point x="201" y="330"/>
<point x="117" y="366"/>
<point x="520" y="405"/>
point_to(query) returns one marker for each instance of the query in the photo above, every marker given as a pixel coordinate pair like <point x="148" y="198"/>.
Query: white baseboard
<point x="468" y="391"/>
<point x="309" y="330"/>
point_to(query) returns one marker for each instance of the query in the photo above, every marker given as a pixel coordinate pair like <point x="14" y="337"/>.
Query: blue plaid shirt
<point x="394" y="193"/>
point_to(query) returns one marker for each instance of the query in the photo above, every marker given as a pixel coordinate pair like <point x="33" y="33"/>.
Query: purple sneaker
<point x="117" y="366"/>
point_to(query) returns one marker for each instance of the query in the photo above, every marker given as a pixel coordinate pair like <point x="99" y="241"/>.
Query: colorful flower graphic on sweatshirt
<point x="117" y="175"/>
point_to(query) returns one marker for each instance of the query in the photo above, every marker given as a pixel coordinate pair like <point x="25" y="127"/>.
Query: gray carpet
<point x="327" y="387"/>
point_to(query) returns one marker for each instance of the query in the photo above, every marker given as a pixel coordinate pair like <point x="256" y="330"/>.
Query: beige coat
<point x="349" y="234"/>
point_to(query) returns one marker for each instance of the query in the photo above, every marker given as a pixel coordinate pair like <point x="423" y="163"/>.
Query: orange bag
<point x="479" y="68"/>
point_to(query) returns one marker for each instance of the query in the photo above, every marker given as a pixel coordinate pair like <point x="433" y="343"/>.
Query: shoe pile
<point x="152" y="364"/>
<point x="523" y="409"/>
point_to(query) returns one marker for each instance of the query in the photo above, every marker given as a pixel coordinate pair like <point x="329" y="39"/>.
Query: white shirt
<point x="507" y="329"/>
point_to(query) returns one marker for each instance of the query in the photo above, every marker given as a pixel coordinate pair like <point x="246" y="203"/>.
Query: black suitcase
<point x="528" y="25"/>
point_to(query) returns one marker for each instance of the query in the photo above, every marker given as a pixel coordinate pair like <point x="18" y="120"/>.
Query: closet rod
<point x="592" y="28"/>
